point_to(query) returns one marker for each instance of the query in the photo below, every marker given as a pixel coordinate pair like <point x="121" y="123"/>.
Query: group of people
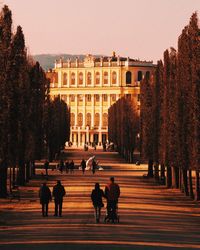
<point x="46" y="196"/>
<point x="61" y="166"/>
<point x="111" y="194"/>
<point x="94" y="165"/>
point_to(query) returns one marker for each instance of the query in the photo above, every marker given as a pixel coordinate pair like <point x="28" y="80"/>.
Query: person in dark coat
<point x="45" y="198"/>
<point x="71" y="166"/>
<point x="46" y="166"/>
<point x="94" y="166"/>
<point x="58" y="194"/>
<point x="67" y="167"/>
<point x="96" y="197"/>
<point x="83" y="165"/>
<point x="61" y="166"/>
<point x="112" y="193"/>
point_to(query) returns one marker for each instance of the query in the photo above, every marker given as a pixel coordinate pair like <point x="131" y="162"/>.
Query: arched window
<point x="65" y="79"/>
<point x="105" y="77"/>
<point x="80" y="78"/>
<point x="105" y="120"/>
<point x="73" y="79"/>
<point x="96" y="120"/>
<point x="139" y="75"/>
<point x="89" y="78"/>
<point x="80" y="119"/>
<point x="147" y="75"/>
<point x="72" y="98"/>
<point x="88" y="119"/>
<point x="128" y="77"/>
<point x="72" y="119"/>
<point x="114" y="77"/>
<point x="97" y="78"/>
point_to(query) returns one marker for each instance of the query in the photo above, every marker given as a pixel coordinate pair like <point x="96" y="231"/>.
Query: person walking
<point x="112" y="193"/>
<point x="61" y="166"/>
<point x="72" y="166"/>
<point x="96" y="197"/>
<point x="94" y="166"/>
<point x="83" y="165"/>
<point x="58" y="194"/>
<point x="45" y="198"/>
<point x="67" y="167"/>
<point x="46" y="167"/>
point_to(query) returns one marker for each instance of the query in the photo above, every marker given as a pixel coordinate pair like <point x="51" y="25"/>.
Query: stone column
<point x="74" y="142"/>
<point x="79" y="137"/>
<point x="60" y="78"/>
<point x="76" y="110"/>
<point x="91" y="137"/>
<point x="87" y="134"/>
<point x="84" y="109"/>
<point x="92" y="113"/>
<point x="101" y="117"/>
<point x="109" y="101"/>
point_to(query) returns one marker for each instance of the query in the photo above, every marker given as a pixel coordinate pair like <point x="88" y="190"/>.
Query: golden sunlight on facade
<point x="91" y="86"/>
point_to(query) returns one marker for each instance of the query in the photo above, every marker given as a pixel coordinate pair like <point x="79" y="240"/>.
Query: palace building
<point x="91" y="86"/>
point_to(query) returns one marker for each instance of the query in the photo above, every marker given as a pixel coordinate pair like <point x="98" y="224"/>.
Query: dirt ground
<point x="151" y="216"/>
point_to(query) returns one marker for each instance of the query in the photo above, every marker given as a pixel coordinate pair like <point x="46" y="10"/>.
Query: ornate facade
<point x="91" y="86"/>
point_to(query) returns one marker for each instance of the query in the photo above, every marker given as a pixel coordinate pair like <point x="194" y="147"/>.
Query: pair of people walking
<point x="111" y="194"/>
<point x="46" y="196"/>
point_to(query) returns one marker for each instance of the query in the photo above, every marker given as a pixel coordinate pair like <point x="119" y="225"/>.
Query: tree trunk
<point x="150" y="169"/>
<point x="162" y="174"/>
<point x="13" y="180"/>
<point x="191" y="184"/>
<point x="21" y="173"/>
<point x="156" y="171"/>
<point x="27" y="171"/>
<point x="197" y="189"/>
<point x="181" y="187"/>
<point x="175" y="177"/>
<point x="169" y="177"/>
<point x="185" y="182"/>
<point x="3" y="180"/>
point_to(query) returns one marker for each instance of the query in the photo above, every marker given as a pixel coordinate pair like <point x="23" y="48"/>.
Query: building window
<point x="64" y="98"/>
<point x="114" y="77"/>
<point x="105" y="77"/>
<point x="73" y="79"/>
<point x="88" y="98"/>
<point x="65" y="79"/>
<point x="72" y="98"/>
<point x="72" y="119"/>
<point x="105" y="97"/>
<point x="139" y="75"/>
<point x="96" y="120"/>
<point x="80" y="119"/>
<point x="105" y="120"/>
<point x="128" y="77"/>
<point x="97" y="78"/>
<point x="80" y="98"/>
<point x="113" y="97"/>
<point x="147" y="75"/>
<point x="88" y="119"/>
<point x="96" y="97"/>
<point x="89" y="78"/>
<point x="80" y="78"/>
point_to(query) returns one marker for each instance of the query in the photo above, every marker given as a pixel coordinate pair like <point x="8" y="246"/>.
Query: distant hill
<point x="47" y="60"/>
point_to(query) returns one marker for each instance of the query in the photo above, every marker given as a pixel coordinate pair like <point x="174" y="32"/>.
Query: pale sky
<point x="135" y="28"/>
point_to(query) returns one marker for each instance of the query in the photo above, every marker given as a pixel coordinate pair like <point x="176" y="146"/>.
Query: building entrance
<point x="103" y="138"/>
<point x="96" y="138"/>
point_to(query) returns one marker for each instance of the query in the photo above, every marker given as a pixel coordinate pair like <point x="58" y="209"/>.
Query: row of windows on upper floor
<point x="88" y="119"/>
<point x="88" y="98"/>
<point x="105" y="78"/>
